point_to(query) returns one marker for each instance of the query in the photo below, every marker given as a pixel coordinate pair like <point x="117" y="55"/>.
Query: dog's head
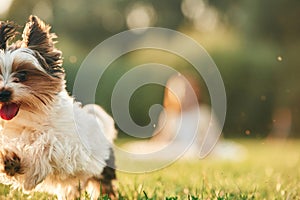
<point x="31" y="72"/>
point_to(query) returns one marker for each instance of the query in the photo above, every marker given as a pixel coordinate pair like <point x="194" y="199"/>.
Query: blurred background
<point x="255" y="45"/>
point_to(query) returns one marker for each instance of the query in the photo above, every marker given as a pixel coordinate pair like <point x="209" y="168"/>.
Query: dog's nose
<point x="5" y="95"/>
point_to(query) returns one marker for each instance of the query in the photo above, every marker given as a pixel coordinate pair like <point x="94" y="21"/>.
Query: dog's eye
<point x="21" y="76"/>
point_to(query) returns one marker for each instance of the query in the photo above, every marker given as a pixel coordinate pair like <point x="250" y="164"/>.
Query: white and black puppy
<point x="49" y="142"/>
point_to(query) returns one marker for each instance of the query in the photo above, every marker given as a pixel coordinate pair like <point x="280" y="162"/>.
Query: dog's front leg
<point x="27" y="163"/>
<point x="29" y="167"/>
<point x="37" y="156"/>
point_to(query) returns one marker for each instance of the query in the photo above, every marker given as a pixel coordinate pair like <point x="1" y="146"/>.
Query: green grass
<point x="271" y="170"/>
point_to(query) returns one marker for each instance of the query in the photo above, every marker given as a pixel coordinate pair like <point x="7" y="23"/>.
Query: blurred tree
<point x="273" y="25"/>
<point x="260" y="73"/>
<point x="90" y="22"/>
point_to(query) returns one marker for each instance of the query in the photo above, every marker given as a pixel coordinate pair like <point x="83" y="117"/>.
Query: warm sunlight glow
<point x="141" y="15"/>
<point x="203" y="17"/>
<point x="5" y="4"/>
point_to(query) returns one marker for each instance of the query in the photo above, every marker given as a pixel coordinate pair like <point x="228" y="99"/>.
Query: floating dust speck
<point x="279" y="58"/>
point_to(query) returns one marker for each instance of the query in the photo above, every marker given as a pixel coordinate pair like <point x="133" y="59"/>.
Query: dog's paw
<point x="12" y="164"/>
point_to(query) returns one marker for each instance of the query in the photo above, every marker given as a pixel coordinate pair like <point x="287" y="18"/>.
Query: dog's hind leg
<point x="104" y="184"/>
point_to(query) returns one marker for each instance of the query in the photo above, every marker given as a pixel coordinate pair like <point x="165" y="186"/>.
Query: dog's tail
<point x="104" y="119"/>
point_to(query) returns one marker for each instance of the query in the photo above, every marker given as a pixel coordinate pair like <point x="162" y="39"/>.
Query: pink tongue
<point x="9" y="111"/>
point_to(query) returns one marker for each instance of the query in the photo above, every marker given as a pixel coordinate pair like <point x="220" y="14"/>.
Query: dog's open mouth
<point x="9" y="110"/>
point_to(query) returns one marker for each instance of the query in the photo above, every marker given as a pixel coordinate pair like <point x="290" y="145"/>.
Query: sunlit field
<point x="230" y="58"/>
<point x="270" y="170"/>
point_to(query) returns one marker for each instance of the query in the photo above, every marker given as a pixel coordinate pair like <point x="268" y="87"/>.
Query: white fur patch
<point x="67" y="146"/>
<point x="20" y="55"/>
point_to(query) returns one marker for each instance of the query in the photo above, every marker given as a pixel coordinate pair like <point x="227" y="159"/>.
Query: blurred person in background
<point x="184" y="124"/>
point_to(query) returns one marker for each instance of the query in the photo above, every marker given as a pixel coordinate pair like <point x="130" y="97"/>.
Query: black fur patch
<point x="108" y="175"/>
<point x="109" y="172"/>
<point x="7" y="32"/>
<point x="37" y="37"/>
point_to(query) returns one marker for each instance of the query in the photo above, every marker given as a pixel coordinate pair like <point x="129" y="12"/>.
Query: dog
<point x="49" y="142"/>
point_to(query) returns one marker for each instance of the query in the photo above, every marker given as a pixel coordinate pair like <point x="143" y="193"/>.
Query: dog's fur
<point x="49" y="142"/>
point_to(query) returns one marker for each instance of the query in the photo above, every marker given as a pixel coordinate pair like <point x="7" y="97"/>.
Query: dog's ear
<point x="7" y="31"/>
<point x="37" y="37"/>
